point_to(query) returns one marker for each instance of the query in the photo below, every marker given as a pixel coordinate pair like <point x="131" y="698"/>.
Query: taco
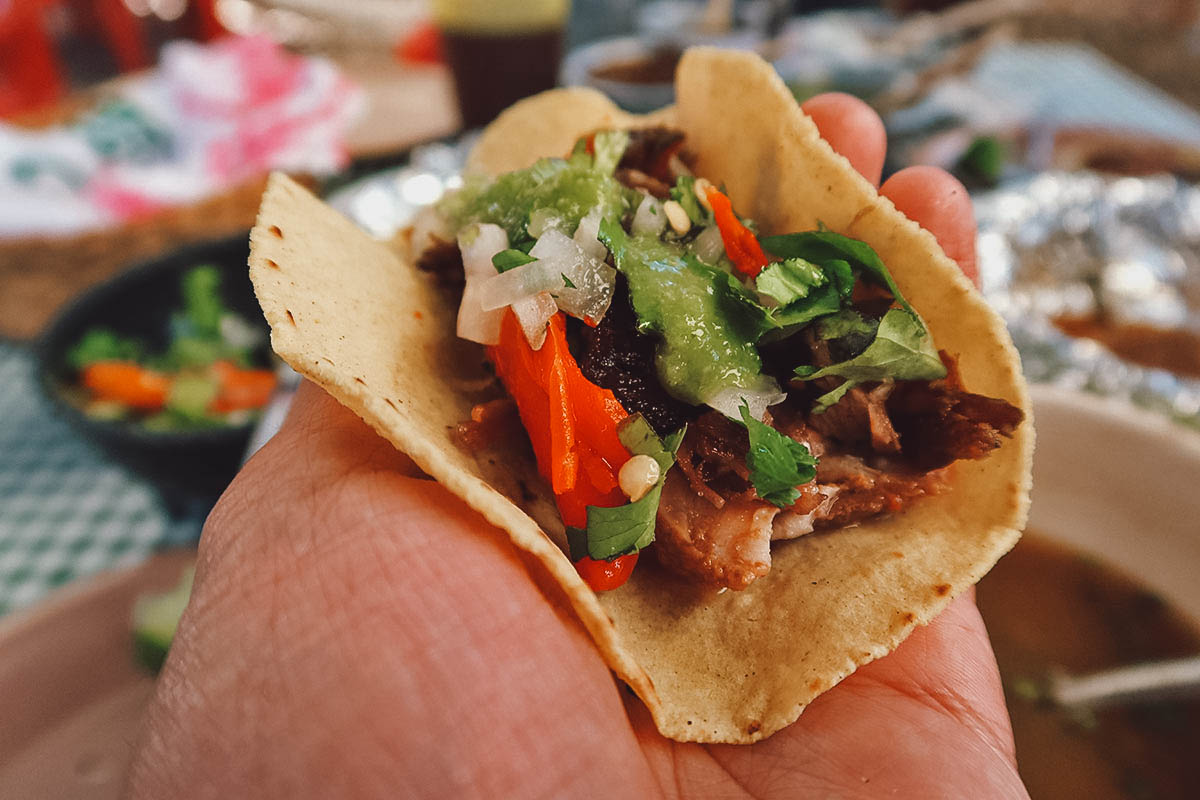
<point x="601" y="376"/>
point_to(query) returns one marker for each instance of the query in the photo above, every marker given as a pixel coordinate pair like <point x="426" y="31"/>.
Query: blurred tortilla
<point x="731" y="667"/>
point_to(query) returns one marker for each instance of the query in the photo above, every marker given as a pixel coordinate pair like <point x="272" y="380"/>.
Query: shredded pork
<point x="727" y="546"/>
<point x="881" y="448"/>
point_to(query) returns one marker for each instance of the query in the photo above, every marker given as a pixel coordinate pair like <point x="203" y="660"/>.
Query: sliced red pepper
<point x="241" y="388"/>
<point x="741" y="245"/>
<point x="603" y="575"/>
<point x="127" y="383"/>
<point x="572" y="423"/>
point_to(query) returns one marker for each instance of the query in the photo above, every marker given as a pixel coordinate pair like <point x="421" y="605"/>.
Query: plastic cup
<point x="500" y="51"/>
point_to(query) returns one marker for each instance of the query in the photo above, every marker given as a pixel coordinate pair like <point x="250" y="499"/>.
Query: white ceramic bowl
<point x="1123" y="484"/>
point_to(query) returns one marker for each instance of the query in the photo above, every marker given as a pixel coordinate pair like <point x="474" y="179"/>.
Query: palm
<point x="355" y="631"/>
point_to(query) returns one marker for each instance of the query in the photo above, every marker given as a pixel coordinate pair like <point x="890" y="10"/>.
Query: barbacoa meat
<point x="443" y="260"/>
<point x="727" y="546"/>
<point x="712" y="457"/>
<point x="945" y="423"/>
<point x="655" y="154"/>
<point x="880" y="448"/>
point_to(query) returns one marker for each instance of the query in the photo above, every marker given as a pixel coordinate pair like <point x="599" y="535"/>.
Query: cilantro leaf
<point x="902" y="350"/>
<point x="614" y="237"/>
<point x="684" y="193"/>
<point x="847" y="322"/>
<point x="847" y="333"/>
<point x="805" y="291"/>
<point x="508" y="259"/>
<point x="617" y="531"/>
<point x="577" y="543"/>
<point x="820" y="302"/>
<point x="842" y="275"/>
<point x="613" y="532"/>
<point x="639" y="438"/>
<point x="824" y="247"/>
<point x="777" y="462"/>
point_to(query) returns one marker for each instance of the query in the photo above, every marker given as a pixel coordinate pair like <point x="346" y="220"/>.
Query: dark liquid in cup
<point x="493" y="71"/>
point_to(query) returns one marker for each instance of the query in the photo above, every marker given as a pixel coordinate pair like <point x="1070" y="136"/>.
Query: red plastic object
<point x="422" y="45"/>
<point x="29" y="73"/>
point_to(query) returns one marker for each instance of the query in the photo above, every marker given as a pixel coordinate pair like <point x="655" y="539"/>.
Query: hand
<point x="357" y="631"/>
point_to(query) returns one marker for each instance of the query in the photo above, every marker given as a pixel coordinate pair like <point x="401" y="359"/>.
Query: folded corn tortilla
<point x="361" y="321"/>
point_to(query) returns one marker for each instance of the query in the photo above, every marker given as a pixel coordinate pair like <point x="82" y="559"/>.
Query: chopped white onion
<point x="650" y="217"/>
<point x="586" y="283"/>
<point x="520" y="283"/>
<point x="589" y="300"/>
<point x="563" y="275"/>
<point x="730" y="401"/>
<point x="475" y="324"/>
<point x="709" y="246"/>
<point x="478" y="244"/>
<point x="586" y="235"/>
<point x="534" y="314"/>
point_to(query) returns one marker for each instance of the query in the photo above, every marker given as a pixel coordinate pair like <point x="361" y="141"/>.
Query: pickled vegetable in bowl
<point x="206" y="377"/>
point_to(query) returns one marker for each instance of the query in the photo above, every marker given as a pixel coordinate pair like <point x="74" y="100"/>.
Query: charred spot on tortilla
<point x="826" y="604"/>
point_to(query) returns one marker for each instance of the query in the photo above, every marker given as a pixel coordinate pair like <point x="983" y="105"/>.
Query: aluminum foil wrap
<point x="1073" y="243"/>
<point x="386" y="201"/>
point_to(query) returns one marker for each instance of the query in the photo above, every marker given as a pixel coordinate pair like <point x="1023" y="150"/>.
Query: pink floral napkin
<point x="208" y="118"/>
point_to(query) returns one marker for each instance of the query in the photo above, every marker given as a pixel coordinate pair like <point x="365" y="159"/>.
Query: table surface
<point x="66" y="510"/>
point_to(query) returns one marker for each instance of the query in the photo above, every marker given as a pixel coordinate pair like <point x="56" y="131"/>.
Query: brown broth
<point x="1047" y="605"/>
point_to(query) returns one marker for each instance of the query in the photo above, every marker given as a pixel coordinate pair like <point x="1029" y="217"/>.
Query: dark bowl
<point x="189" y="467"/>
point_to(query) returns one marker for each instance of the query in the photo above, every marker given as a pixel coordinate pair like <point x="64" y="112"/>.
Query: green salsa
<point x="553" y="192"/>
<point x="702" y="352"/>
